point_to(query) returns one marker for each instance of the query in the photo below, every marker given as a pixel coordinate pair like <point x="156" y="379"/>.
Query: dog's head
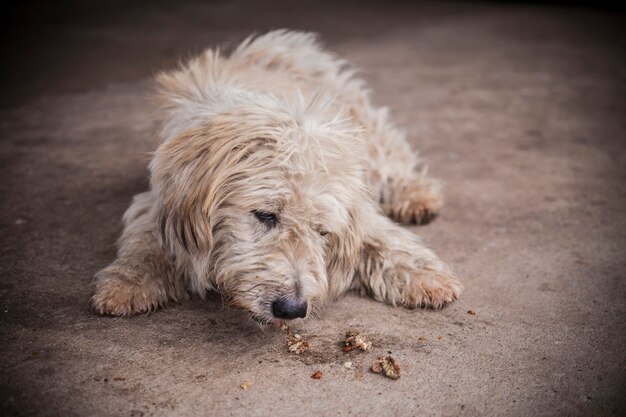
<point x="261" y="199"/>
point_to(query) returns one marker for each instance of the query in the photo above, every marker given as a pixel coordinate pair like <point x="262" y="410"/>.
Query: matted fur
<point x="280" y="126"/>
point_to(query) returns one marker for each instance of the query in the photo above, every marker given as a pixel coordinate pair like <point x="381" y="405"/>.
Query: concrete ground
<point x="518" y="107"/>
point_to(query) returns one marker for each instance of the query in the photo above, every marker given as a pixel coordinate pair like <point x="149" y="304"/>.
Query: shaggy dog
<point x="273" y="185"/>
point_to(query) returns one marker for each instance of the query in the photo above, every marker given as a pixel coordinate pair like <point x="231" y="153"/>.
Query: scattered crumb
<point x="355" y="340"/>
<point x="245" y="385"/>
<point x="348" y="365"/>
<point x="439" y="337"/>
<point x="421" y="339"/>
<point x="317" y="374"/>
<point x="119" y="378"/>
<point x="387" y="365"/>
<point x="471" y="312"/>
<point x="297" y="344"/>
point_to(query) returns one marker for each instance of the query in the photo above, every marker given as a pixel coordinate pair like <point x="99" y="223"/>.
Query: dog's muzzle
<point x="289" y="309"/>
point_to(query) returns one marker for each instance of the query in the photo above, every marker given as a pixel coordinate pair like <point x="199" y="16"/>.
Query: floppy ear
<point x="191" y="174"/>
<point x="344" y="254"/>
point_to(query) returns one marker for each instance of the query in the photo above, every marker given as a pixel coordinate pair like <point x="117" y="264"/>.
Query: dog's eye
<point x="265" y="217"/>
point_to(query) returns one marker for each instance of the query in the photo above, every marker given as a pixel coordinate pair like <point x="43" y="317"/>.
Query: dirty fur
<point x="282" y="127"/>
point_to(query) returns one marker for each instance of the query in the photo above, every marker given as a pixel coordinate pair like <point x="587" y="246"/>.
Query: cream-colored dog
<point x="272" y="186"/>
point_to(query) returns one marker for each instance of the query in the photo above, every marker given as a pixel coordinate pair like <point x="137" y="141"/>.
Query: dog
<point x="278" y="184"/>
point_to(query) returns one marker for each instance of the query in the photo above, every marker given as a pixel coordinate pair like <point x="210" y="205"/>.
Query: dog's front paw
<point x="430" y="289"/>
<point x="118" y="294"/>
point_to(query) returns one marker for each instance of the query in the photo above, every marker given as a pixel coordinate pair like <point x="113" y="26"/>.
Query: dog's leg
<point x="141" y="279"/>
<point x="397" y="177"/>
<point x="397" y="268"/>
<point x="415" y="198"/>
<point x="407" y="194"/>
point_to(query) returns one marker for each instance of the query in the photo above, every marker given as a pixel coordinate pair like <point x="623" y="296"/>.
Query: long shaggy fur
<point x="278" y="126"/>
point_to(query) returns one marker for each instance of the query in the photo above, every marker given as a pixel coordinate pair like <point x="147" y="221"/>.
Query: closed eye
<point x="268" y="219"/>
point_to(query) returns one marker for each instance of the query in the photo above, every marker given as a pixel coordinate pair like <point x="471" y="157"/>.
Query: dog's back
<point x="281" y="63"/>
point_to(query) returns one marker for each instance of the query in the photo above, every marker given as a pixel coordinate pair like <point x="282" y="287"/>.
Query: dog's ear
<point x="344" y="252"/>
<point x="192" y="175"/>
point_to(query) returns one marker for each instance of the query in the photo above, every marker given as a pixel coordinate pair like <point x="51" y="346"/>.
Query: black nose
<point x="288" y="309"/>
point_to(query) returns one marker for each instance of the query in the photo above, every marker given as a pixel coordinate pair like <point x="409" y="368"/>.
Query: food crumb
<point x="119" y="378"/>
<point x="421" y="339"/>
<point x="355" y="340"/>
<point x="471" y="312"/>
<point x="297" y="344"/>
<point x="387" y="365"/>
<point x="245" y="385"/>
<point x="348" y="365"/>
<point x="317" y="374"/>
<point x="439" y="337"/>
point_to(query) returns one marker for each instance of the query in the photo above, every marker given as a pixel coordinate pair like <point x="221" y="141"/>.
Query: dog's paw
<point x="430" y="289"/>
<point x="418" y="203"/>
<point x="117" y="294"/>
